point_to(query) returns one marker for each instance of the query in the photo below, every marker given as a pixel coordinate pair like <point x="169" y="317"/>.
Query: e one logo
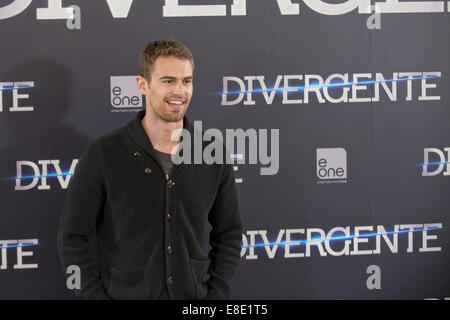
<point x="331" y="163"/>
<point x="124" y="92"/>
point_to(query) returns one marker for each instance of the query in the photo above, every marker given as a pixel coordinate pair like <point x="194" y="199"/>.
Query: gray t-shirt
<point x="166" y="161"/>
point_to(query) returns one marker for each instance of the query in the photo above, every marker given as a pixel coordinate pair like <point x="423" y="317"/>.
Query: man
<point x="163" y="231"/>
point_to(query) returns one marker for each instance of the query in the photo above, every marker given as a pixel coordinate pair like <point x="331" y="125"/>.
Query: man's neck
<point x="160" y="132"/>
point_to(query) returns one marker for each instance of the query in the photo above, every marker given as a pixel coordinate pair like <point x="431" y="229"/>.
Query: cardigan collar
<point x="138" y="134"/>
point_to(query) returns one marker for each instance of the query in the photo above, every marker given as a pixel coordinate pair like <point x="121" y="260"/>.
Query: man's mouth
<point x="175" y="104"/>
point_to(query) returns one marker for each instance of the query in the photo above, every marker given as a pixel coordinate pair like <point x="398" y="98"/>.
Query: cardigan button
<point x="169" y="250"/>
<point x="137" y="154"/>
<point x="169" y="217"/>
<point x="170" y="183"/>
<point x="148" y="170"/>
<point x="170" y="281"/>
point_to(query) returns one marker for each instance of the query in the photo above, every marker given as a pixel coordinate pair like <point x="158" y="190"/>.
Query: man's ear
<point x="143" y="85"/>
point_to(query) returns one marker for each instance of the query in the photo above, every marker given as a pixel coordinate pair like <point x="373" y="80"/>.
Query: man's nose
<point x="178" y="88"/>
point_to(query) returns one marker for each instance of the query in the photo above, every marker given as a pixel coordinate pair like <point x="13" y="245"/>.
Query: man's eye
<point x="167" y="81"/>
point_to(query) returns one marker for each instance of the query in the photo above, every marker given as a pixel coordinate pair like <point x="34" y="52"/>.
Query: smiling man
<point x="163" y="231"/>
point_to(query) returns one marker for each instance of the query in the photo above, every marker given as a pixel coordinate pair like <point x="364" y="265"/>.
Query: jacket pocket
<point x="128" y="283"/>
<point x="199" y="270"/>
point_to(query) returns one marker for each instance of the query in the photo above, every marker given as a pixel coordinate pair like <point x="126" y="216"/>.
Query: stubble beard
<point x="164" y="113"/>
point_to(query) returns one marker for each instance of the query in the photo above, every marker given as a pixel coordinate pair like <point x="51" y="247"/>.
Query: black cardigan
<point x="157" y="237"/>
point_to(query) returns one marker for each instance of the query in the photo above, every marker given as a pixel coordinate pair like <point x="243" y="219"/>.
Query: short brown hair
<point x="163" y="47"/>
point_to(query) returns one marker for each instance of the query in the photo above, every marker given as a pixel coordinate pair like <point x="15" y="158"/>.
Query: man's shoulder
<point x="111" y="137"/>
<point x="109" y="141"/>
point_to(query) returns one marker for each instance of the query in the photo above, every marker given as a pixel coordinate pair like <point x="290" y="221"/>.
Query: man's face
<point x="170" y="88"/>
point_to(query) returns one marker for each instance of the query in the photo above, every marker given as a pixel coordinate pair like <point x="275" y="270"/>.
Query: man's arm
<point x="225" y="237"/>
<point x="84" y="202"/>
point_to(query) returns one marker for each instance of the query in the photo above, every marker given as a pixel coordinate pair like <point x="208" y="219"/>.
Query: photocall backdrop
<point x="351" y="99"/>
